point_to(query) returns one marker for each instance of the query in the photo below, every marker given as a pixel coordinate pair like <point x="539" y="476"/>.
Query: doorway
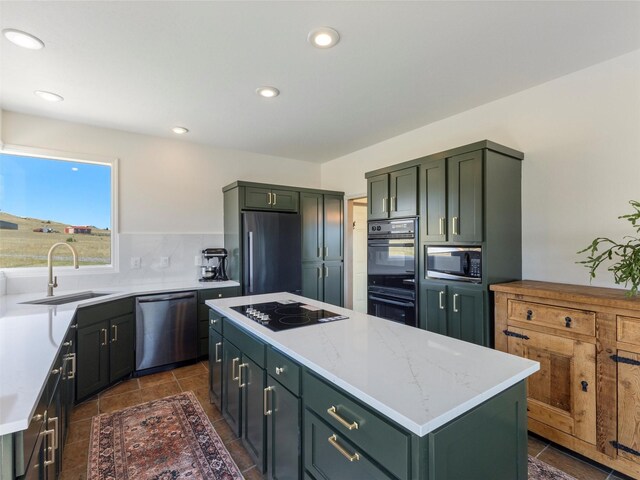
<point x="356" y="255"/>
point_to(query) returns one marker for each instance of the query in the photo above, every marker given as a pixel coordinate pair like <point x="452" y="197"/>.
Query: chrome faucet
<point x="53" y="281"/>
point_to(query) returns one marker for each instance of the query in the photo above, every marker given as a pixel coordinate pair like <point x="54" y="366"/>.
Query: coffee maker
<point x="214" y="265"/>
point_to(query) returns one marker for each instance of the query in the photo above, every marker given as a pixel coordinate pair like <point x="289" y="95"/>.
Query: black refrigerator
<point x="272" y="256"/>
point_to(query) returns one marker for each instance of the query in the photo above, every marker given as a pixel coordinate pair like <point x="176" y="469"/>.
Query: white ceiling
<point x="148" y="66"/>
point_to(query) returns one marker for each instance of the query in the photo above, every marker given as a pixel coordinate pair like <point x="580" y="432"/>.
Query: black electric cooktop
<point x="285" y="315"/>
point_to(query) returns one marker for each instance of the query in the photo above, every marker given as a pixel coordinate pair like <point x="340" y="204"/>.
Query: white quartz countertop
<point x="30" y="337"/>
<point x="419" y="379"/>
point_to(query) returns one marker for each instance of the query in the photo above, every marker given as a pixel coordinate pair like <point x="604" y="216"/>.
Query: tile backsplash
<point x="148" y="247"/>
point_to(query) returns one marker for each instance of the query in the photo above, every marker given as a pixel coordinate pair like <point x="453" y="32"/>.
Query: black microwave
<point x="454" y="263"/>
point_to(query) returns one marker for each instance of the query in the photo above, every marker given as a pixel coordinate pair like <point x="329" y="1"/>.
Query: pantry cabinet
<point x="587" y="340"/>
<point x="323" y="282"/>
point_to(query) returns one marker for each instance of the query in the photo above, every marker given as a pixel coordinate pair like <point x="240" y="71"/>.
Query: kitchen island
<point x="376" y="399"/>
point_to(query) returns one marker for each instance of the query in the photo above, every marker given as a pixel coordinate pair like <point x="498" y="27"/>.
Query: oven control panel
<point x="402" y="227"/>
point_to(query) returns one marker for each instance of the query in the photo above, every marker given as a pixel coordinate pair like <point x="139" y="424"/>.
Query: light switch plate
<point x="135" y="262"/>
<point x="164" y="261"/>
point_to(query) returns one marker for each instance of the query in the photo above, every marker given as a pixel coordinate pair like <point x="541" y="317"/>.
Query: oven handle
<point x="391" y="302"/>
<point x="388" y="244"/>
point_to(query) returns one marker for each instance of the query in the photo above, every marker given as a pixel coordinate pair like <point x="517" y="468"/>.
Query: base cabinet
<point x="455" y="311"/>
<point x="586" y="395"/>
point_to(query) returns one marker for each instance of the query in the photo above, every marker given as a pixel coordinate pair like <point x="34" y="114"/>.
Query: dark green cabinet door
<point x="378" y="197"/>
<point x="433" y="214"/>
<point x="466" y="318"/>
<point x="252" y="384"/>
<point x="92" y="359"/>
<point x="333" y="283"/>
<point x="230" y="386"/>
<point x="283" y="433"/>
<point x="122" y="339"/>
<point x="403" y="191"/>
<point x="313" y="281"/>
<point x="259" y="198"/>
<point x="333" y="213"/>
<point x="215" y="367"/>
<point x="284" y="200"/>
<point x="465" y="197"/>
<point x="435" y="311"/>
<point x="311" y="206"/>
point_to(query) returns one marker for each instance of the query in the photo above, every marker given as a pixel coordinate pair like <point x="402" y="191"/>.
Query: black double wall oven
<point x="392" y="270"/>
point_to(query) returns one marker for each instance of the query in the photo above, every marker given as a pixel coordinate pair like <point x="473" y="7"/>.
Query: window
<point x="46" y="200"/>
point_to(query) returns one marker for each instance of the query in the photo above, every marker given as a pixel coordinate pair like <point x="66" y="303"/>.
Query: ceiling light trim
<point x="323" y="37"/>
<point x="48" y="96"/>
<point x="180" y="130"/>
<point x="267" y="91"/>
<point x="23" y="39"/>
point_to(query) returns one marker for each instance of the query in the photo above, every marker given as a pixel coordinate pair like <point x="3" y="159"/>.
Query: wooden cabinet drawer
<point x="566" y="319"/>
<point x="381" y="440"/>
<point x="248" y="344"/>
<point x="215" y="320"/>
<point x="329" y="455"/>
<point x="283" y="369"/>
<point x="629" y="329"/>
<point x="214" y="293"/>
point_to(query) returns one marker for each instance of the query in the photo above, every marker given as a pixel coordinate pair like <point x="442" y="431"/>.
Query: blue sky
<point x="68" y="192"/>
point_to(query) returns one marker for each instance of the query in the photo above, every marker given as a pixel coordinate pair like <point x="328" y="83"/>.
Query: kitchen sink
<point x="67" y="298"/>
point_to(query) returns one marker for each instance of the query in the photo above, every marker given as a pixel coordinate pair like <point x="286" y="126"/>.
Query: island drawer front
<point x="97" y="313"/>
<point x="248" y="344"/>
<point x="381" y="440"/>
<point x="284" y="369"/>
<point x="323" y="459"/>
<point x="215" y="320"/>
<point x="214" y="293"/>
<point x="561" y="318"/>
<point x="629" y="329"/>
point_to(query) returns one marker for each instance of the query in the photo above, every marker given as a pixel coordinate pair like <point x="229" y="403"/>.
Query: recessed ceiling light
<point x="48" y="96"/>
<point x="23" y="39"/>
<point x="180" y="130"/>
<point x="323" y="37"/>
<point x="268" y="92"/>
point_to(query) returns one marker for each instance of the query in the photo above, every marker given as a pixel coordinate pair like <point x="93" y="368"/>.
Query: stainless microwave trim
<point x="449" y="276"/>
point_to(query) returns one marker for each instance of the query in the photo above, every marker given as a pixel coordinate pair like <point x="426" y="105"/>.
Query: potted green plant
<point x="625" y="255"/>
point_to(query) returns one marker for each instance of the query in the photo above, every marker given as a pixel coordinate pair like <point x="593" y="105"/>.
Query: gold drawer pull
<point x="333" y="440"/>
<point x="351" y="426"/>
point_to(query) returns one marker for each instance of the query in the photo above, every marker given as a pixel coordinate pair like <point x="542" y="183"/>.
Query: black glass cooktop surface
<point x="285" y="315"/>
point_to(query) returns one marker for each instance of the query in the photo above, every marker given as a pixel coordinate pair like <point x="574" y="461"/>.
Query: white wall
<point x="165" y="185"/>
<point x="581" y="138"/>
<point x="170" y="195"/>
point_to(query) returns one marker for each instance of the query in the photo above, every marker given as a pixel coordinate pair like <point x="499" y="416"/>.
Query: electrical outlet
<point x="135" y="262"/>
<point x="196" y="260"/>
<point x="164" y="261"/>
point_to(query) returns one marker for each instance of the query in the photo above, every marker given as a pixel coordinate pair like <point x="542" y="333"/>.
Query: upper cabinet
<point x="260" y="198"/>
<point x="452" y="200"/>
<point x="394" y="194"/>
<point x="322" y="227"/>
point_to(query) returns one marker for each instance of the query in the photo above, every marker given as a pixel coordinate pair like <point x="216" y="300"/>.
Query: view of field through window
<point x="44" y="201"/>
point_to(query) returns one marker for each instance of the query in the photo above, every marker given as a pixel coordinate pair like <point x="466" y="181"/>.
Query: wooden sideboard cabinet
<point x="586" y="395"/>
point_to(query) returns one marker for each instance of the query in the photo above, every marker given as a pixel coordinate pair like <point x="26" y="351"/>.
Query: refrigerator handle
<point x="250" y="262"/>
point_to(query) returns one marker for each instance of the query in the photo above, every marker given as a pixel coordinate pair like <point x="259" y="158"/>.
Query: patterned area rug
<point x="163" y="439"/>
<point x="538" y="470"/>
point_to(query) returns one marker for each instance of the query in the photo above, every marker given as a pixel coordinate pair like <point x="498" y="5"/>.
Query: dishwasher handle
<point x="166" y="298"/>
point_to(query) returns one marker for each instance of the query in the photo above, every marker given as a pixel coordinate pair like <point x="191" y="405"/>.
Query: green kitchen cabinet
<point x="393" y="195"/>
<point x="322" y="227"/>
<point x="265" y="198"/>
<point x="105" y="346"/>
<point x="231" y="393"/>
<point x="203" y="313"/>
<point x="455" y="311"/>
<point x="252" y="384"/>
<point x="452" y="199"/>
<point x="215" y="367"/>
<point x="465" y="197"/>
<point x="324" y="282"/>
<point x="283" y="411"/>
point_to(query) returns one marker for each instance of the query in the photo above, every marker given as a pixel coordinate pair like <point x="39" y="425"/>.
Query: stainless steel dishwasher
<point x="166" y="329"/>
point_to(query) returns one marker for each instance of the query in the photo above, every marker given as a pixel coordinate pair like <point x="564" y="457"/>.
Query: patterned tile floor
<point x="195" y="378"/>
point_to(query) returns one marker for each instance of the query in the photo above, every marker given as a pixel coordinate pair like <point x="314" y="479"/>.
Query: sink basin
<point x="67" y="298"/>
